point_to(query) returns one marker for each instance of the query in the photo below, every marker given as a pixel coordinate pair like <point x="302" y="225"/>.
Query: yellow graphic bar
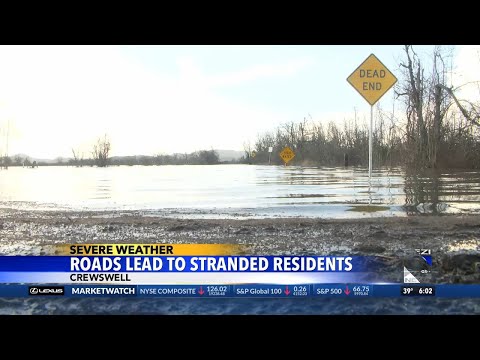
<point x="148" y="249"/>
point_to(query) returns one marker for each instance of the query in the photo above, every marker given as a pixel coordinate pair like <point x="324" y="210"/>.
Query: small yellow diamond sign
<point x="287" y="155"/>
<point x="254" y="153"/>
<point x="372" y="79"/>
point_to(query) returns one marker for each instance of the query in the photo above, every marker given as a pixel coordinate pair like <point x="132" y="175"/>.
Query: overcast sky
<point x="165" y="99"/>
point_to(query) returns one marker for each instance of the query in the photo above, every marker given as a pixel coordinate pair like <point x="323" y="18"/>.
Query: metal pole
<point x="269" y="156"/>
<point x="8" y="134"/>
<point x="370" y="145"/>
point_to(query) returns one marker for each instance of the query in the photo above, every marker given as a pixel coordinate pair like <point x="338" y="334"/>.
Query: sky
<point x="167" y="99"/>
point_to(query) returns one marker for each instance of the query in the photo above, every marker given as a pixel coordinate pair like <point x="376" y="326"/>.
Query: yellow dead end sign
<point x="372" y="79"/>
<point x="287" y="155"/>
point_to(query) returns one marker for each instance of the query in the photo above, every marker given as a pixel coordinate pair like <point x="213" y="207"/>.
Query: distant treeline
<point x="433" y="127"/>
<point x="203" y="157"/>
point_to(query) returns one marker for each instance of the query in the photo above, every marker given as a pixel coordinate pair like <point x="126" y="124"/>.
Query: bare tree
<point x="77" y="157"/>
<point x="425" y="104"/>
<point x="469" y="110"/>
<point x="101" y="151"/>
<point x="247" y="148"/>
<point x="412" y="88"/>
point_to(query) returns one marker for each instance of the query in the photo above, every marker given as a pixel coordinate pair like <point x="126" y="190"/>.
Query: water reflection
<point x="370" y="191"/>
<point x="435" y="192"/>
<point x="103" y="189"/>
<point x="421" y="193"/>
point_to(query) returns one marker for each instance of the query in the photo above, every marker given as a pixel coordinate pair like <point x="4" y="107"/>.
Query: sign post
<point x="370" y="144"/>
<point x="270" y="149"/>
<point x="372" y="80"/>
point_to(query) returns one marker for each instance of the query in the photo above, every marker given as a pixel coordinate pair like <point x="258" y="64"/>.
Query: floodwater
<point x="242" y="190"/>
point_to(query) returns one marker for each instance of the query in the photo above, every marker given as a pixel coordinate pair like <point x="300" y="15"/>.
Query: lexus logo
<point x="46" y="290"/>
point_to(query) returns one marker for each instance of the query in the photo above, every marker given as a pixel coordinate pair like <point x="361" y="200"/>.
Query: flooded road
<point x="242" y="190"/>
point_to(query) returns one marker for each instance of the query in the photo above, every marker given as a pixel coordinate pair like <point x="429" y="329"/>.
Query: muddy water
<point x="248" y="190"/>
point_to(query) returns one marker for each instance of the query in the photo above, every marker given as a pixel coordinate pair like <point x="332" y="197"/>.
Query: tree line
<point x="203" y="157"/>
<point x="100" y="157"/>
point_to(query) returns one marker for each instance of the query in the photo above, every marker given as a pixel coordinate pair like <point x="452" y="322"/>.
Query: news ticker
<point x="353" y="291"/>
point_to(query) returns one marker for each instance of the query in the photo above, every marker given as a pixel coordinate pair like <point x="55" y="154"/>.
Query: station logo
<point x="418" y="268"/>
